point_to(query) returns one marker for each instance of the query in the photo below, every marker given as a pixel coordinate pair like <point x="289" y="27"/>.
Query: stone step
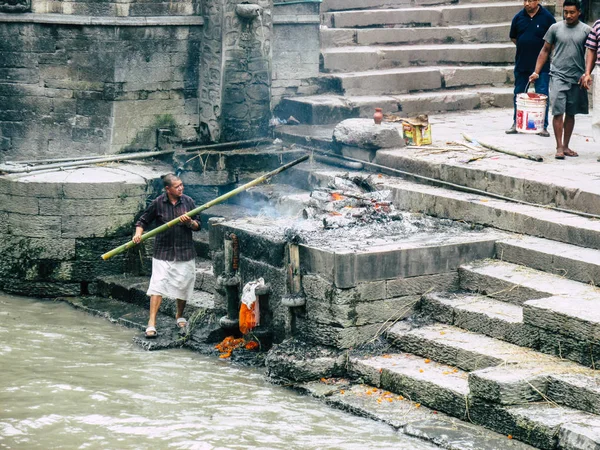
<point x="531" y="184"/>
<point x="346" y="5"/>
<point x="559" y="382"/>
<point x="437" y="386"/>
<point x="466" y="350"/>
<point x="565" y="260"/>
<point x="424" y="16"/>
<point x="517" y="284"/>
<point x="408" y="417"/>
<point x="480" y="314"/>
<point x="357" y="58"/>
<point x="523" y="219"/>
<point x="201" y="243"/>
<point x="205" y="277"/>
<point x="132" y="289"/>
<point x="542" y="425"/>
<point x="482" y="33"/>
<point x="412" y="79"/>
<point x="332" y="109"/>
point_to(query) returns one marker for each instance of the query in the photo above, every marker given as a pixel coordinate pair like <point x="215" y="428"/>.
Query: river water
<point x="73" y="381"/>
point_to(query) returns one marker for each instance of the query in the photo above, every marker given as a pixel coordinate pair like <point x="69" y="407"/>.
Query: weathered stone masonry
<point x="81" y="86"/>
<point x="54" y="228"/>
<point x="86" y="78"/>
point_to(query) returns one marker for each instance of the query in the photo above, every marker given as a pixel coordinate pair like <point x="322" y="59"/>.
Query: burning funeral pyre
<point x="349" y="201"/>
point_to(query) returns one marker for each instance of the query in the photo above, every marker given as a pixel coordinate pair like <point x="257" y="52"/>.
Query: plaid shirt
<point x="176" y="243"/>
<point x="593" y="40"/>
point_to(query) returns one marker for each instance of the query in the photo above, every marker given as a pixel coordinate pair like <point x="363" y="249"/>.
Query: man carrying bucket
<point x="593" y="58"/>
<point x="568" y="94"/>
<point x="527" y="32"/>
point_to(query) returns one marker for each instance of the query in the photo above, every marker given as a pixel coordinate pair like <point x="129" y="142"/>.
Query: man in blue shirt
<point x="527" y="32"/>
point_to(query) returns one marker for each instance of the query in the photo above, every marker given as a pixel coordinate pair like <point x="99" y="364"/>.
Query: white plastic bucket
<point x="531" y="112"/>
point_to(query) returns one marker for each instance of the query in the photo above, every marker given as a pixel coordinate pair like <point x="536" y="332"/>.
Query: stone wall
<point x="296" y="50"/>
<point x="83" y="86"/>
<point x="55" y="226"/>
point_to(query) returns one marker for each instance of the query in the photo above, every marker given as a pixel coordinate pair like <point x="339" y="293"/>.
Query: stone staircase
<point x="513" y="347"/>
<point x="515" y="350"/>
<point x="409" y="57"/>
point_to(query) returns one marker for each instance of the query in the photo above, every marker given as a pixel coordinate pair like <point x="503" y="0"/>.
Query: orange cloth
<point x="248" y="317"/>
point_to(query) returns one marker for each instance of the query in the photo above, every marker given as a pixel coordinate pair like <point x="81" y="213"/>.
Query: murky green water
<point x="72" y="381"/>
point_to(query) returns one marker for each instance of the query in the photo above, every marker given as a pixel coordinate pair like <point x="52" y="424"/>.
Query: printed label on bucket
<point x="531" y="113"/>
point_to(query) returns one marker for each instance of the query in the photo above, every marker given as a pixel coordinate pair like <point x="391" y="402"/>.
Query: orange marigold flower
<point x="342" y="392"/>
<point x="509" y="436"/>
<point x="252" y="345"/>
<point x="421" y="370"/>
<point x="417" y="405"/>
<point x="427" y="361"/>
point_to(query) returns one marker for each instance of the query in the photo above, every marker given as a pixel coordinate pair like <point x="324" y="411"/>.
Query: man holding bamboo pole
<point x="173" y="262"/>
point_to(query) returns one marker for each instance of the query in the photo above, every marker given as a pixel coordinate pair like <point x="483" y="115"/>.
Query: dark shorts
<point x="567" y="98"/>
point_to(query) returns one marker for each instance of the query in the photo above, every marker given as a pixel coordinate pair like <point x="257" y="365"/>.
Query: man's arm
<point x="590" y="61"/>
<point x="144" y="221"/>
<point x="541" y="60"/>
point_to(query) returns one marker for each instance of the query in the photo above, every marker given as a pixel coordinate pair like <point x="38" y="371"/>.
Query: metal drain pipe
<point x="458" y="187"/>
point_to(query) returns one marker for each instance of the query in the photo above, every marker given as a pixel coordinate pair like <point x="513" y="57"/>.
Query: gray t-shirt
<point x="568" y="58"/>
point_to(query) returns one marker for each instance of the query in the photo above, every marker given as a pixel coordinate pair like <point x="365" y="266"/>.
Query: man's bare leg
<point x="558" y="125"/>
<point x="569" y="125"/>
<point x="155" y="301"/>
<point x="180" y="308"/>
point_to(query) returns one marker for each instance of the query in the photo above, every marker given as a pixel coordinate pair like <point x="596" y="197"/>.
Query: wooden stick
<point x="199" y="209"/>
<point x="536" y="158"/>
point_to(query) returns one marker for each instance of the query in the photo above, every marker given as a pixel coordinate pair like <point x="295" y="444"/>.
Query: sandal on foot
<point x="569" y="152"/>
<point x="151" y="333"/>
<point x="181" y="322"/>
<point x="559" y="156"/>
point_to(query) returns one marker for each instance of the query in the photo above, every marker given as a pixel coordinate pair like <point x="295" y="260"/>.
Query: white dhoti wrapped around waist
<point x="173" y="279"/>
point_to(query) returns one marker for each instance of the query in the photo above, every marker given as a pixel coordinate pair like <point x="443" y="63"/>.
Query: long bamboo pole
<point x="199" y="209"/>
<point x="119" y="157"/>
<point x="536" y="158"/>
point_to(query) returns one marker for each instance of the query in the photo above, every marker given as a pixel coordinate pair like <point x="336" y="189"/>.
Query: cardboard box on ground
<point x="415" y="130"/>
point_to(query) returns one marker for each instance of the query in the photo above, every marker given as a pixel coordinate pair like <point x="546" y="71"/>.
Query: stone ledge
<point x="297" y="19"/>
<point x="62" y="19"/>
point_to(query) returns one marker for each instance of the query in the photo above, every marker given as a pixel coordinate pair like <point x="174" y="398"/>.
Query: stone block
<point x="335" y="336"/>
<point x="535" y="424"/>
<point x="94" y="226"/>
<point x="574" y="317"/>
<point x="441" y="282"/>
<point x="35" y="248"/>
<point x="34" y="226"/>
<point x="282" y="362"/>
<point x="39" y="289"/>
<point x="93" y="207"/>
<point x="524" y="383"/>
<point x="582" y="434"/>
<point x="364" y="133"/>
<point x="21" y="205"/>
<point x="101" y="190"/>
<point x="322" y="289"/>
<point x="434" y="385"/>
<point x="360" y="313"/>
